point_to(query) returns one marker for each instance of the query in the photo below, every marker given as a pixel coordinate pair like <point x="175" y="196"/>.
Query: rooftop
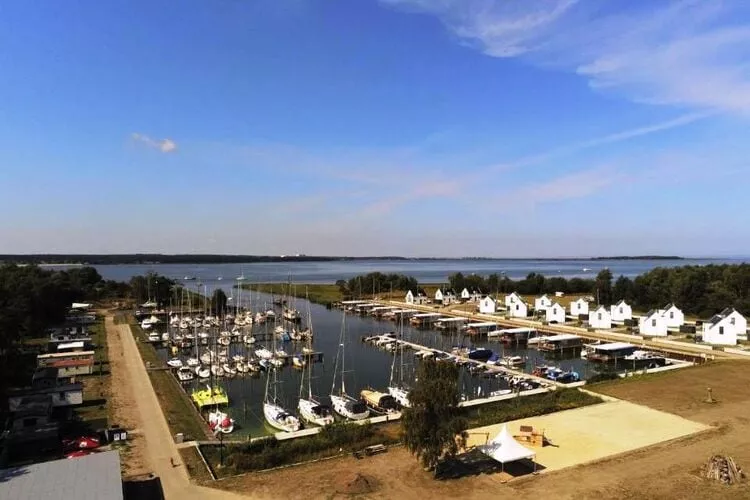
<point x="93" y="477"/>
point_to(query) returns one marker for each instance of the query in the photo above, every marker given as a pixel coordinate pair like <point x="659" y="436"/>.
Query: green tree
<point x="603" y="286"/>
<point x="623" y="289"/>
<point x="433" y="428"/>
<point x="218" y="301"/>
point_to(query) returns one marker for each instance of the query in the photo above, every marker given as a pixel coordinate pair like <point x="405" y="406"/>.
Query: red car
<point x="82" y="443"/>
<point x="78" y="453"/>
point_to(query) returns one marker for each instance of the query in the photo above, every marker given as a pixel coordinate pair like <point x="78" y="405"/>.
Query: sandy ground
<point x="670" y="470"/>
<point x="594" y="432"/>
<point x="122" y="403"/>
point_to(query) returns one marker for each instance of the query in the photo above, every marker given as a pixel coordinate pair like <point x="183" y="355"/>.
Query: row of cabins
<point x="723" y="328"/>
<point x="37" y="410"/>
<point x="444" y="296"/>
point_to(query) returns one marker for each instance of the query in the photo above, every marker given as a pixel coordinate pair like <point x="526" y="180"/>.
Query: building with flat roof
<point x="93" y="477"/>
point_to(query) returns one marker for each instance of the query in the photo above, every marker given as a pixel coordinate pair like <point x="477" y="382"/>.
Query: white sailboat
<point x="310" y="407"/>
<point x="275" y="414"/>
<point x="343" y="404"/>
<point x="396" y="388"/>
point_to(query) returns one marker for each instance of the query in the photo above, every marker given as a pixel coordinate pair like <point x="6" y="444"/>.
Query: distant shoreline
<point x="192" y="259"/>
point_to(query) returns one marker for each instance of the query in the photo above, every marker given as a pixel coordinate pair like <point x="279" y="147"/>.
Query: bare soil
<point x="122" y="406"/>
<point x="669" y="470"/>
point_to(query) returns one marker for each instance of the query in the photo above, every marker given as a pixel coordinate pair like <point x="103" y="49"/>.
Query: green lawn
<point x="319" y="294"/>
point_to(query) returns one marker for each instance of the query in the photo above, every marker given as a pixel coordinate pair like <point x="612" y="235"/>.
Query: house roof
<point x="621" y="302"/>
<point x="668" y="306"/>
<point x="651" y="313"/>
<point x="727" y="311"/>
<point x="93" y="477"/>
<point x="716" y="318"/>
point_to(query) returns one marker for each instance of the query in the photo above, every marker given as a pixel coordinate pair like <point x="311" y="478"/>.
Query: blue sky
<point x="375" y="127"/>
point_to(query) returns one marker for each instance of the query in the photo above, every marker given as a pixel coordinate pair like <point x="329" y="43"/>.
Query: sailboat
<point x="275" y="414"/>
<point x="397" y="389"/>
<point x="310" y="408"/>
<point x="343" y="404"/>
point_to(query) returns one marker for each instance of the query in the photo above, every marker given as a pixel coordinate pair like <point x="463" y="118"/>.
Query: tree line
<point x="376" y="283"/>
<point x="697" y="290"/>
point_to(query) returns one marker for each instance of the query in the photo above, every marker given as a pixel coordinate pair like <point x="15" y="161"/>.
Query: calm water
<point x="371" y="365"/>
<point x="425" y="271"/>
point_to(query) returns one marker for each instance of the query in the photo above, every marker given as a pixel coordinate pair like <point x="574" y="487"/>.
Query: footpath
<point x="160" y="446"/>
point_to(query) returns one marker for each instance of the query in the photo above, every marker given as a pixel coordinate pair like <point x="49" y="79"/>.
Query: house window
<point x="721" y="330"/>
<point x="671" y="314"/>
<point x="653" y="322"/>
<point x="731" y="321"/>
<point x="599" y="316"/>
<point x="621" y="310"/>
<point x="516" y="307"/>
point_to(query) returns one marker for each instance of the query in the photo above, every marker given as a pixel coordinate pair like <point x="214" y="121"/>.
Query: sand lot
<point x="595" y="432"/>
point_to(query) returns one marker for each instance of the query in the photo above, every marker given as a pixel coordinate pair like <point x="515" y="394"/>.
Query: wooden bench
<point x="375" y="449"/>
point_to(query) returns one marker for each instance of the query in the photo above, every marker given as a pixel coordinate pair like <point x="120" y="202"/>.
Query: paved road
<point x="160" y="446"/>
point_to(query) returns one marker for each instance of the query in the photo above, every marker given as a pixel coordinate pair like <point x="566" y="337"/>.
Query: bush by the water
<point x="270" y="453"/>
<point x="602" y="377"/>
<point x="529" y="406"/>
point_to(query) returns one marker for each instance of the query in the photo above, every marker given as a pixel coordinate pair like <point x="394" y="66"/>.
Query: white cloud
<point x="685" y="53"/>
<point x="163" y="145"/>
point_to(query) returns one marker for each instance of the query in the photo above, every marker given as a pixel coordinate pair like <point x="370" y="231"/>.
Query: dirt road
<point x="158" y="446"/>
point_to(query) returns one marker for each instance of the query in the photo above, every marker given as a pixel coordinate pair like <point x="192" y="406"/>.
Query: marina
<point x="244" y="363"/>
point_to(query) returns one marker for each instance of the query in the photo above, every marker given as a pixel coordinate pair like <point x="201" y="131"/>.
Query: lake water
<point x="425" y="271"/>
<point x="371" y="366"/>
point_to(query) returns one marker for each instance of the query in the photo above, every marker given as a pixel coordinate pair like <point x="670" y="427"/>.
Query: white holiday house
<point x="555" y="313"/>
<point x="600" y="318"/>
<point x="725" y="327"/>
<point x="518" y="309"/>
<point x="512" y="299"/>
<point x="653" y="323"/>
<point x="475" y="295"/>
<point x="445" y="297"/>
<point x="487" y="305"/>
<point x="673" y="317"/>
<point x="542" y="303"/>
<point x="419" y="298"/>
<point x="621" y="311"/>
<point x="578" y="307"/>
<point x="465" y="295"/>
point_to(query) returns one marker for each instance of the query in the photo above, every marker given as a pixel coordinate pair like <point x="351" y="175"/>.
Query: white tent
<point x="504" y="448"/>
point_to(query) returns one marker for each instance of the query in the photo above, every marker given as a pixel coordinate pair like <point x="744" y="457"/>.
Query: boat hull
<point x="280" y="419"/>
<point x="341" y="406"/>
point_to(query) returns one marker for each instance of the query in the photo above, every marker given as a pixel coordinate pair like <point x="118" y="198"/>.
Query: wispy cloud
<point x="163" y="145"/>
<point x="686" y="53"/>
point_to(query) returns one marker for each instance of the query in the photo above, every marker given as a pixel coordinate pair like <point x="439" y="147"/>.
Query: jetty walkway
<point x="682" y="348"/>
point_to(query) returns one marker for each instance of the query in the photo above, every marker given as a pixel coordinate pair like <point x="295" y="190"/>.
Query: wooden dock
<point x="693" y="351"/>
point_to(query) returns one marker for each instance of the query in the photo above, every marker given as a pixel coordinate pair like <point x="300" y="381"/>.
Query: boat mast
<point x="305" y="360"/>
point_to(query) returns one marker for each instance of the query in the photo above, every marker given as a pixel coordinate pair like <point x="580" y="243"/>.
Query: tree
<point x="623" y="289"/>
<point x="433" y="428"/>
<point x="603" y="286"/>
<point x="218" y="301"/>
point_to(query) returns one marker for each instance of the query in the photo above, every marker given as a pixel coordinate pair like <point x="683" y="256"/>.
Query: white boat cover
<point x="504" y="448"/>
<point x="80" y="305"/>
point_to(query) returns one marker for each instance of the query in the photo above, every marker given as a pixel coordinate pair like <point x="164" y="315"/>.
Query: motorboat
<point x="207" y="357"/>
<point x="220" y="422"/>
<point x="511" y="361"/>
<point x="263" y="353"/>
<point x="299" y="361"/>
<point x="202" y="371"/>
<point x="165" y="336"/>
<point x="154" y="337"/>
<point x="193" y="362"/>
<point x="217" y="371"/>
<point x="248" y="339"/>
<point x="501" y="392"/>
<point x="174" y="362"/>
<point x="379" y="401"/>
<point x="229" y="370"/>
<point x="185" y="374"/>
<point x="480" y="354"/>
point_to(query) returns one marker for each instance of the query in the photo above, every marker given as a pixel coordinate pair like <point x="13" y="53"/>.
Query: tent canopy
<point x="504" y="448"/>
